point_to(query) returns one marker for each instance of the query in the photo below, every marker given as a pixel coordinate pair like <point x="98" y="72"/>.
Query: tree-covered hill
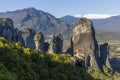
<point x="19" y="63"/>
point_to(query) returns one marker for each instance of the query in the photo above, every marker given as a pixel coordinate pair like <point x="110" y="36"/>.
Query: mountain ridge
<point x="100" y="25"/>
<point x="37" y="20"/>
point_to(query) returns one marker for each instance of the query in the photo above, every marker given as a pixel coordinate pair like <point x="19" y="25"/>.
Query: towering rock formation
<point x="39" y="42"/>
<point x="104" y="55"/>
<point x="25" y="37"/>
<point x="70" y="48"/>
<point x="6" y="28"/>
<point x="85" y="46"/>
<point x="28" y="37"/>
<point x="56" y="44"/>
<point x="17" y="37"/>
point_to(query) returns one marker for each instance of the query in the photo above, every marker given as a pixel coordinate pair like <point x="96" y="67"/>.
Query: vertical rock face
<point x="28" y="37"/>
<point x="6" y="28"/>
<point x="85" y="46"/>
<point x="104" y="55"/>
<point x="46" y="46"/>
<point x="39" y="42"/>
<point x="70" y="48"/>
<point x="17" y="37"/>
<point x="6" y="22"/>
<point x="56" y="44"/>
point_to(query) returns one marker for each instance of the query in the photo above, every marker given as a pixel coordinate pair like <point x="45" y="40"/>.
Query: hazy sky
<point x="60" y="8"/>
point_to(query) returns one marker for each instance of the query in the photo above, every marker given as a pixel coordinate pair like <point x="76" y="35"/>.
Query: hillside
<point x="19" y="63"/>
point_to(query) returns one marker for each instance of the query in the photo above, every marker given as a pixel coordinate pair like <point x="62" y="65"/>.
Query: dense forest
<point x="19" y="63"/>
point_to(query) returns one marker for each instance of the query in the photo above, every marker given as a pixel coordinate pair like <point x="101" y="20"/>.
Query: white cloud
<point x="78" y="15"/>
<point x="95" y="16"/>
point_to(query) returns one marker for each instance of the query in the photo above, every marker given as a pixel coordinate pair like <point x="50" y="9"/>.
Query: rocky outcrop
<point x="28" y="37"/>
<point x="17" y="37"/>
<point x="46" y="46"/>
<point x="85" y="46"/>
<point x="56" y="44"/>
<point x="6" y="28"/>
<point x="104" y="55"/>
<point x="70" y="48"/>
<point x="39" y="42"/>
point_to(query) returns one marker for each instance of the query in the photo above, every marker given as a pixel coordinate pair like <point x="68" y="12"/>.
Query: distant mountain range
<point x="111" y="24"/>
<point x="69" y="19"/>
<point x="36" y="20"/>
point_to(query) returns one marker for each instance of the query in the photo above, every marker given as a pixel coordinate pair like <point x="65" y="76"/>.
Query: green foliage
<point x="5" y="74"/>
<point x="107" y="75"/>
<point x="19" y="63"/>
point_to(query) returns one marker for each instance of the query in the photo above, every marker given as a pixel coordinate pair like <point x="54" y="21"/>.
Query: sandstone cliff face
<point x="28" y="37"/>
<point x="56" y="44"/>
<point x="85" y="46"/>
<point x="39" y="42"/>
<point x="104" y="55"/>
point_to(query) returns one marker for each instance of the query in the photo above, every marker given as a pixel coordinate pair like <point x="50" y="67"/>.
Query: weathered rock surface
<point x="70" y="48"/>
<point x="28" y="37"/>
<point x="6" y="28"/>
<point x="56" y="44"/>
<point x="104" y="55"/>
<point x="39" y="42"/>
<point x="85" y="46"/>
<point x="46" y="46"/>
<point x="17" y="37"/>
